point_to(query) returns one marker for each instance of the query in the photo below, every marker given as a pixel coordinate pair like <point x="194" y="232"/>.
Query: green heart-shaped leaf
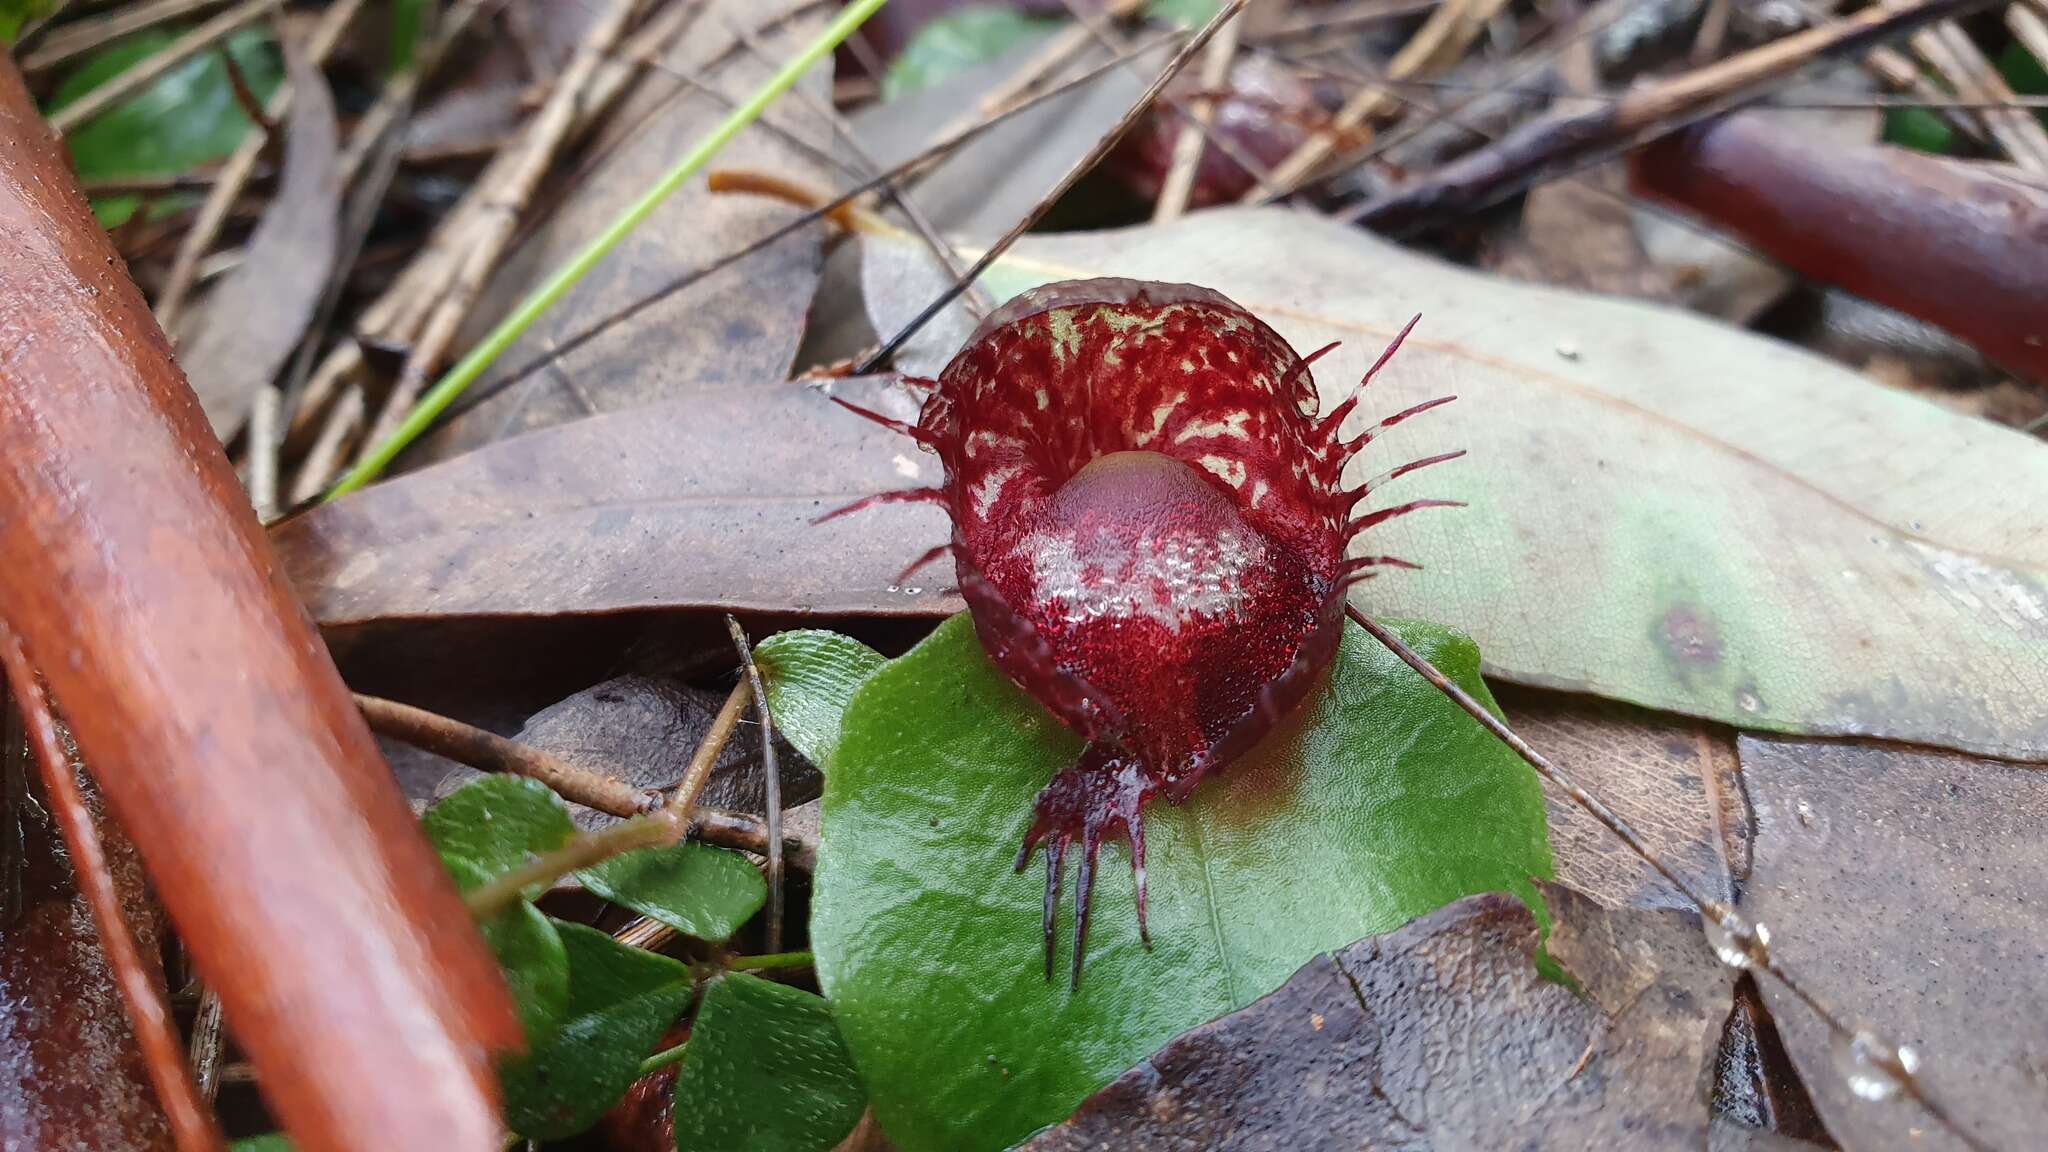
<point x="1377" y="802"/>
<point x="697" y="890"/>
<point x="497" y="824"/>
<point x="621" y="1000"/>
<point x="765" y="1071"/>
<point x="811" y="676"/>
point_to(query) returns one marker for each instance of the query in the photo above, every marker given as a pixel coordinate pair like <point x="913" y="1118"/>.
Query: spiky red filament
<point x="1149" y="530"/>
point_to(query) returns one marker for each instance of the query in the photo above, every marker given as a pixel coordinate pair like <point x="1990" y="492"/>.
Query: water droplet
<point x="1738" y="942"/>
<point x="1748" y="701"/>
<point x="1874" y="1069"/>
<point x="1568" y="348"/>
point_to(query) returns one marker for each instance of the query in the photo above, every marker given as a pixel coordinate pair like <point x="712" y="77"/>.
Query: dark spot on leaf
<point x="1690" y="640"/>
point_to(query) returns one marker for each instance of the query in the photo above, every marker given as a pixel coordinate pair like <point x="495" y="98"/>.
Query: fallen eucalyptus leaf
<point x="621" y="1000"/>
<point x="1376" y="802"/>
<point x="1663" y="510"/>
<point x="811" y="677"/>
<point x="1442" y="1034"/>
<point x="1673" y="778"/>
<point x="705" y="502"/>
<point x="765" y="1071"/>
<point x="1904" y="888"/>
<point x="253" y="319"/>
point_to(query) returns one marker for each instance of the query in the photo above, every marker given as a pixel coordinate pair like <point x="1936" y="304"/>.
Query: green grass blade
<point x="487" y="350"/>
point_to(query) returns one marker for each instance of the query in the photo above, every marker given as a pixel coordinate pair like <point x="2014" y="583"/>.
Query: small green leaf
<point x="693" y="888"/>
<point x="408" y="20"/>
<point x="811" y="676"/>
<point x="497" y="824"/>
<point x="271" y="1142"/>
<point x="1183" y="13"/>
<point x="957" y="41"/>
<point x="1377" y="802"/>
<point x="188" y="117"/>
<point x="1919" y="129"/>
<point x="621" y="1000"/>
<point x="765" y="1071"/>
<point x="530" y="957"/>
<point x="15" y="13"/>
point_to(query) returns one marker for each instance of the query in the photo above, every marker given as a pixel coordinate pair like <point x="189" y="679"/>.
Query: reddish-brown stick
<point x="1962" y="246"/>
<point x="144" y="592"/>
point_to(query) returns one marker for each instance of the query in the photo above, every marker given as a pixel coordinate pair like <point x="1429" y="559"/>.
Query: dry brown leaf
<point x="705" y="502"/>
<point x="1672" y="777"/>
<point x="253" y="319"/>
<point x="1905" y="889"/>
<point x="1442" y="1034"/>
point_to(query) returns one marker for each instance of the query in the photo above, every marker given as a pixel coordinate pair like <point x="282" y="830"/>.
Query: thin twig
<point x="1101" y="25"/>
<point x="245" y="96"/>
<point x="1320" y="22"/>
<point x="932" y="152"/>
<point x="147" y="72"/>
<point x="409" y="424"/>
<point x="1565" y="141"/>
<point x="539" y="142"/>
<point x="715" y="737"/>
<point x="654" y="830"/>
<point x="1441" y="40"/>
<point x="209" y="1042"/>
<point x="490" y="752"/>
<point x="1730" y="921"/>
<point x="191" y="1122"/>
<point x="940" y="248"/>
<point x="1950" y="51"/>
<point x="1187" y="148"/>
<point x="237" y="169"/>
<point x="771" y="782"/>
<point x="1073" y="175"/>
<point x="82" y="36"/>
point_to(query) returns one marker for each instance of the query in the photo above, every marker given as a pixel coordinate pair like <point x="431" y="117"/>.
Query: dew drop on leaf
<point x="1874" y="1069"/>
<point x="1735" y="940"/>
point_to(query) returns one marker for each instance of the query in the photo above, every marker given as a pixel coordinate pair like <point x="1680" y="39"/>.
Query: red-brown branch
<point x="144" y="592"/>
<point x="1962" y="246"/>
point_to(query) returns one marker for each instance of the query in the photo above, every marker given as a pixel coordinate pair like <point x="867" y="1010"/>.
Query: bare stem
<point x="771" y="781"/>
<point x="653" y="830"/>
<point x="663" y="826"/>
<point x="490" y="752"/>
<point x="1073" y="176"/>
